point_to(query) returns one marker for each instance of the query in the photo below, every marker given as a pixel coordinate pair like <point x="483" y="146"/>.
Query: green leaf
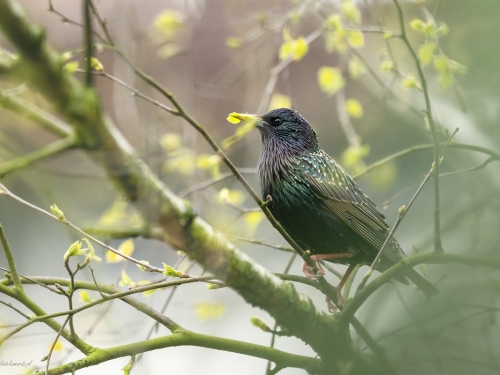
<point x="354" y="108"/>
<point x="170" y="271"/>
<point x="233" y="42"/>
<point x="85" y="296"/>
<point x="387" y="66"/>
<point x="91" y="255"/>
<point x="57" y="212"/>
<point x="171" y="142"/>
<point x="334" y="22"/>
<point x="356" y="67"/>
<point x="351" y="11"/>
<point x="71" y="67"/>
<point x="330" y="79"/>
<point x="75" y="249"/>
<point x="335" y="41"/>
<point x="168" y="21"/>
<point x="295" y="49"/>
<point x="426" y="52"/>
<point x="410" y="82"/>
<point x="356" y="39"/>
<point x="279" y="101"/>
<point x="96" y="64"/>
<point x="425" y="28"/>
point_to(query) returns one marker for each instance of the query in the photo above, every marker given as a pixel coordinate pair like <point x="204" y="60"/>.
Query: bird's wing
<point x="342" y="197"/>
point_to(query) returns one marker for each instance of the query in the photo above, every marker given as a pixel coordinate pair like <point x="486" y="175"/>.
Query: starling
<point x="318" y="203"/>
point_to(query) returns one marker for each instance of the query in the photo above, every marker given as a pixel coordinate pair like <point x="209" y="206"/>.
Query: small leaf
<point x="387" y="66"/>
<point x="252" y="221"/>
<point x="388" y="35"/>
<point x="126" y="247"/>
<point x="58" y="346"/>
<point x="85" y="296"/>
<point x="57" y="212"/>
<point x="143" y="267"/>
<point x="207" y="161"/>
<point x="330" y="79"/>
<point x="211" y="286"/>
<point x="295" y="49"/>
<point x="353" y="157"/>
<point x="170" y="271"/>
<point x="443" y="29"/>
<point x="356" y="39"/>
<point x="426" y="52"/>
<point x="171" y="141"/>
<point x="233" y="42"/>
<point x="334" y="22"/>
<point x="417" y="25"/>
<point x="335" y="41"/>
<point x="182" y="162"/>
<point x="91" y="255"/>
<point x="75" y="249"/>
<point x="231" y="196"/>
<point x="96" y="64"/>
<point x="351" y="12"/>
<point x="168" y="21"/>
<point x="279" y="101"/>
<point x="125" y="279"/>
<point x="210" y="310"/>
<point x="71" y="67"/>
<point x="354" y="108"/>
<point x="410" y="82"/>
<point x="356" y="67"/>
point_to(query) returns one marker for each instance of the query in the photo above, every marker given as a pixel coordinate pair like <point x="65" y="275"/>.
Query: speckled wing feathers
<point x="341" y="196"/>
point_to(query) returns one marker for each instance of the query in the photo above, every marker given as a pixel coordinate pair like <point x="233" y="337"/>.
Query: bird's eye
<point x="277" y="121"/>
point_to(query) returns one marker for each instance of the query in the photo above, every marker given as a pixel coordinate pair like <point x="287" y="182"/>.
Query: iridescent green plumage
<point x="317" y="202"/>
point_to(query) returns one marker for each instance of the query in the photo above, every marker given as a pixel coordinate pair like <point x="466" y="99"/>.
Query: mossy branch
<point x="159" y="206"/>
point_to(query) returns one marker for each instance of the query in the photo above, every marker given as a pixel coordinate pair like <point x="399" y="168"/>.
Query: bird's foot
<point x="340" y="300"/>
<point x="331" y="307"/>
<point x="309" y="271"/>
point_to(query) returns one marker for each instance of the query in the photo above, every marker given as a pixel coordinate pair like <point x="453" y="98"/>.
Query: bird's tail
<point x="422" y="283"/>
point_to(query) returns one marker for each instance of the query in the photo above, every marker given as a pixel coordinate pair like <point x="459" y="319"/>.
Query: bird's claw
<point x="309" y="271"/>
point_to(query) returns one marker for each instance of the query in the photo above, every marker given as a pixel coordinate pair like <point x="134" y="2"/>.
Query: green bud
<point x="170" y="271"/>
<point x="75" y="249"/>
<point x="96" y="64"/>
<point x="58" y="213"/>
<point x="211" y="286"/>
<point x="144" y="266"/>
<point x="401" y="210"/>
<point x="260" y="324"/>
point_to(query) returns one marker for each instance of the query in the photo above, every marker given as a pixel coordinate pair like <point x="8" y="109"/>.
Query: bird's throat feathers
<point x="275" y="163"/>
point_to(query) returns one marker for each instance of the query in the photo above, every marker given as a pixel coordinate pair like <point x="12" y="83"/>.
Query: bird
<point x="316" y="201"/>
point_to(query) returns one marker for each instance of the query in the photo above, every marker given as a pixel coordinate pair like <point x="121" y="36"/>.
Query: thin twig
<point x="438" y="247"/>
<point x="54" y="344"/>
<point x="26" y="160"/>
<point x="6" y="192"/>
<point x="88" y="42"/>
<point x="213" y="181"/>
<point x="15" y="309"/>
<point x="401" y="214"/>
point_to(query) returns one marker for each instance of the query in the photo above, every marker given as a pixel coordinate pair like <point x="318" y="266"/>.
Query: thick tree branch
<point x="160" y="206"/>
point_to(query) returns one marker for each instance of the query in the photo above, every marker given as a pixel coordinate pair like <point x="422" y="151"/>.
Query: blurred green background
<point x="217" y="57"/>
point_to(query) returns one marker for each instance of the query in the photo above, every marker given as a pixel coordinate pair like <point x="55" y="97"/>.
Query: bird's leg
<point x="341" y="284"/>
<point x="338" y="289"/>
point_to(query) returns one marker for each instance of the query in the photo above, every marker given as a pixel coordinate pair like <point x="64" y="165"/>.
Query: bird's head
<point x="284" y="129"/>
